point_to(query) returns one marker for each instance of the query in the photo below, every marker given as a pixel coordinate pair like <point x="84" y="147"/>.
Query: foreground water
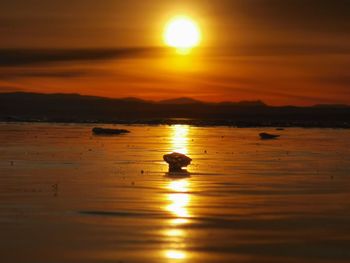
<point x="68" y="196"/>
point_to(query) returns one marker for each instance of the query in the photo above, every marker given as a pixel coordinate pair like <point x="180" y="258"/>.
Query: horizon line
<point x="169" y="100"/>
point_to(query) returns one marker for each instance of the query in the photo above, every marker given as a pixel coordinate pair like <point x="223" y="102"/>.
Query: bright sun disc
<point x="182" y="33"/>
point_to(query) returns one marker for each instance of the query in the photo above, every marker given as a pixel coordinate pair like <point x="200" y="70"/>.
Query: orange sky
<point x="281" y="52"/>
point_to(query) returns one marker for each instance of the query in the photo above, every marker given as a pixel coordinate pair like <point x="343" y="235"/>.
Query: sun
<point x="182" y="33"/>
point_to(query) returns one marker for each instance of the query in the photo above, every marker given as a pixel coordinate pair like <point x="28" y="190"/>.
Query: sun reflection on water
<point x="178" y="205"/>
<point x="180" y="138"/>
<point x="178" y="200"/>
<point x="175" y="254"/>
<point x="178" y="186"/>
<point x="175" y="232"/>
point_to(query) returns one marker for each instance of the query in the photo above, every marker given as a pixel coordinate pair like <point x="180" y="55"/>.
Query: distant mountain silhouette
<point x="183" y="100"/>
<point x="246" y="103"/>
<point x="331" y="106"/>
<point x="77" y="108"/>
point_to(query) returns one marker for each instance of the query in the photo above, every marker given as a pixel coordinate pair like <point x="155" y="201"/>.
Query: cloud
<point x="4" y="89"/>
<point x="341" y="80"/>
<point x="331" y="16"/>
<point x="23" y="57"/>
<point x="43" y="74"/>
<point x="279" y="50"/>
<point x="27" y="57"/>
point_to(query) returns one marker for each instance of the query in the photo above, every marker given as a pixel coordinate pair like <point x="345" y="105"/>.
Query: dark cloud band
<point x="13" y="57"/>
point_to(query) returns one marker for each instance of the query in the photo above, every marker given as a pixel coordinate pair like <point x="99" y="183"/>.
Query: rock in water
<point x="177" y="161"/>
<point x="105" y="131"/>
<point x="267" y="136"/>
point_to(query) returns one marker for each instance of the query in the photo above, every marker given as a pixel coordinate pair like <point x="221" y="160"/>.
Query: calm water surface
<point x="68" y="196"/>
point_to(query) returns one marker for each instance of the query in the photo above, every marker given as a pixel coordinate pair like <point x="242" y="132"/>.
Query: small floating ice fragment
<point x="268" y="136"/>
<point x="177" y="161"/>
<point x="105" y="131"/>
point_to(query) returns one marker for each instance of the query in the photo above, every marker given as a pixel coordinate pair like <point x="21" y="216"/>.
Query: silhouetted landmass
<point x="88" y="109"/>
<point x="182" y="100"/>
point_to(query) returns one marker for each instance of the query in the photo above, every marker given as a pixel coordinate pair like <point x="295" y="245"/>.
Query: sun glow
<point x="182" y="33"/>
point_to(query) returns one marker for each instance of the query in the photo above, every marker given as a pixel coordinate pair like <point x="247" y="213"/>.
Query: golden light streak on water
<point x="179" y="201"/>
<point x="175" y="233"/>
<point x="180" y="138"/>
<point x="175" y="254"/>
